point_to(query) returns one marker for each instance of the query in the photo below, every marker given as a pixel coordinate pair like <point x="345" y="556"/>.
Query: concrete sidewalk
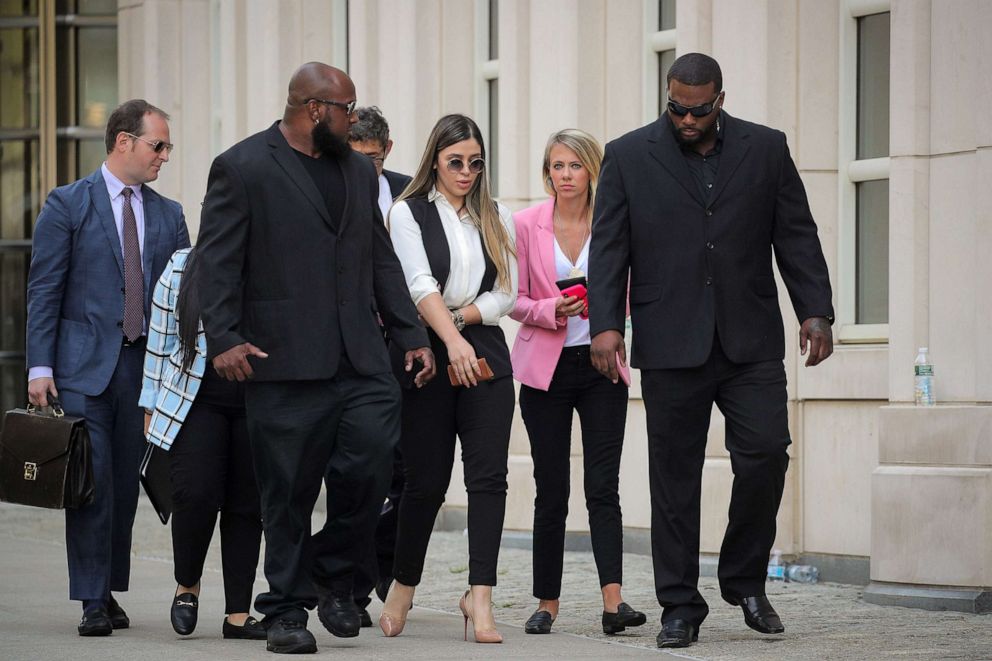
<point x="826" y="621"/>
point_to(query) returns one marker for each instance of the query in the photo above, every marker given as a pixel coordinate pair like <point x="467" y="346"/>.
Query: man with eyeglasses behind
<point x="370" y="136"/>
<point x="99" y="246"/>
<point x="298" y="260"/>
<point x="691" y="208"/>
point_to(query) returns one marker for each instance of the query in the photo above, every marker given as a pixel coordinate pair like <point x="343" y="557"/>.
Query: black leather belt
<point x="137" y="342"/>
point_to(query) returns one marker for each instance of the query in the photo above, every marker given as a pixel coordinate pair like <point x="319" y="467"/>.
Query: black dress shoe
<point x="758" y="613"/>
<point x="338" y="613"/>
<point x="118" y="618"/>
<point x="184" y="612"/>
<point x="539" y="622"/>
<point x="95" y="622"/>
<point x="677" y="633"/>
<point x="290" y="637"/>
<point x="623" y="618"/>
<point x="364" y="616"/>
<point x="252" y="629"/>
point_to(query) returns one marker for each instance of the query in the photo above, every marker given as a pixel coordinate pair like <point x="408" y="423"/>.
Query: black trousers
<point x="344" y="429"/>
<point x="211" y="470"/>
<point x="432" y="416"/>
<point x="752" y="398"/>
<point x="602" y="409"/>
<point x="376" y="562"/>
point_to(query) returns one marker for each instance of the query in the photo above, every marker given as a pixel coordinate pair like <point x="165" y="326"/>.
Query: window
<point x="659" y="53"/>
<point x="863" y="294"/>
<point x="487" y="102"/>
<point x="58" y="84"/>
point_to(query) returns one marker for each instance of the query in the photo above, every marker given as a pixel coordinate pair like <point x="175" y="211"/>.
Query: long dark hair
<point x="479" y="202"/>
<point x="188" y="310"/>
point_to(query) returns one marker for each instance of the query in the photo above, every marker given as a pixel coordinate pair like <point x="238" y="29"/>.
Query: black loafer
<point x="364" y="617"/>
<point x="758" y="613"/>
<point x="623" y="618"/>
<point x="539" y="622"/>
<point x="338" y="614"/>
<point x="252" y="629"/>
<point x="118" y="618"/>
<point x="95" y="622"/>
<point x="290" y="637"/>
<point x="184" y="612"/>
<point x="677" y="633"/>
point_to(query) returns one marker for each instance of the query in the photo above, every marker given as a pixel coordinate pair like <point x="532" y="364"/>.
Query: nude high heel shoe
<point x="485" y="636"/>
<point x="392" y="623"/>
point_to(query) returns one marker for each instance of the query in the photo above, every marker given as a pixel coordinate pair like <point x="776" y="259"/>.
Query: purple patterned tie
<point x="134" y="279"/>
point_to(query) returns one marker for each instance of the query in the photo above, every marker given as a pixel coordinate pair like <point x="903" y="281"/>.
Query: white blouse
<point x="577" y="331"/>
<point x="467" y="260"/>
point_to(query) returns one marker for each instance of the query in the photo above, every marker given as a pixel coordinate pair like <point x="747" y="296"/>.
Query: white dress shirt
<point x="385" y="196"/>
<point x="467" y="260"/>
<point x="115" y="187"/>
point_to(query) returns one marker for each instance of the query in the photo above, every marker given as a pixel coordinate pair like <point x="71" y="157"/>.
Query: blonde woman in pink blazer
<point x="551" y="360"/>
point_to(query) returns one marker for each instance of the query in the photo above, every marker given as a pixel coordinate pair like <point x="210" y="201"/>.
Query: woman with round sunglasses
<point x="198" y="417"/>
<point x="456" y="246"/>
<point x="552" y="362"/>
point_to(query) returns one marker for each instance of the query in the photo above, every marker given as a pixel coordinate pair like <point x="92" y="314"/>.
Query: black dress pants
<point x="602" y="408"/>
<point x="433" y="416"/>
<point x="211" y="470"/>
<point x="752" y="398"/>
<point x="301" y="431"/>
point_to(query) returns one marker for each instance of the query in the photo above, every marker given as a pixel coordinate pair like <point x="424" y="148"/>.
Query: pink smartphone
<point x="624" y="376"/>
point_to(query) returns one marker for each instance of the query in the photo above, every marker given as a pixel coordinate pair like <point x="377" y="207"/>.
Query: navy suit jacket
<point x="76" y="281"/>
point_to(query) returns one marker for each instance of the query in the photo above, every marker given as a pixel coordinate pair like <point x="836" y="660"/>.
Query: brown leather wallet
<point x="487" y="373"/>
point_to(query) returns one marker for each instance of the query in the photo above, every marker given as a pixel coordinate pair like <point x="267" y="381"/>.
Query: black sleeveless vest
<point x="488" y="341"/>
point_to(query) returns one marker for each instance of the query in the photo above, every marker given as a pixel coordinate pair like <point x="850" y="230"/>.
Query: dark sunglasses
<point x="349" y="107"/>
<point x="157" y="145"/>
<point x="695" y="111"/>
<point x="475" y="166"/>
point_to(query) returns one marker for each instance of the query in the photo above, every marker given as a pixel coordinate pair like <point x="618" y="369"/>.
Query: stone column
<point x="932" y="492"/>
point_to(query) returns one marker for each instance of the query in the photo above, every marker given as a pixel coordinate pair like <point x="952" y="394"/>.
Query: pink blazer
<point x="540" y="339"/>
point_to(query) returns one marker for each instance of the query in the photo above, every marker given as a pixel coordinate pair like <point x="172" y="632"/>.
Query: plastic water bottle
<point x="923" y="370"/>
<point x="802" y="574"/>
<point x="776" y="570"/>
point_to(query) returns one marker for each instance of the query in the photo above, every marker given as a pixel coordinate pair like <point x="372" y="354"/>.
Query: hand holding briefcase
<point x="45" y="459"/>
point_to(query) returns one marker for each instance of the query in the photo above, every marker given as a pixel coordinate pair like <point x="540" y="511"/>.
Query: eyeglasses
<point x="349" y="108"/>
<point x="695" y="111"/>
<point x="157" y="145"/>
<point x="457" y="164"/>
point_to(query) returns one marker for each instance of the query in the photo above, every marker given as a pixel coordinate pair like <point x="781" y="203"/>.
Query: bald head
<point x="316" y="80"/>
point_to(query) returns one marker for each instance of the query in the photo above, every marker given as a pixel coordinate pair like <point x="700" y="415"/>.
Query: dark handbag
<point x="155" y="478"/>
<point x="45" y="459"/>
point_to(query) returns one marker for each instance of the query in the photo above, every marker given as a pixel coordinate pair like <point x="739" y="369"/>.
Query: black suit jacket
<point x="397" y="182"/>
<point x="694" y="268"/>
<point x="276" y="273"/>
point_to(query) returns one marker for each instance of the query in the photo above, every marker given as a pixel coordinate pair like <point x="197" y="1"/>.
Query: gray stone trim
<point x="928" y="597"/>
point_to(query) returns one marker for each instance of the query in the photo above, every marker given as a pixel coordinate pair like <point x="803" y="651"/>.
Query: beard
<point x="701" y="136"/>
<point x="327" y="143"/>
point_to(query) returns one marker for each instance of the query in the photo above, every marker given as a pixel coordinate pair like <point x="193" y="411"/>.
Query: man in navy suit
<point x="100" y="244"/>
<point x="370" y="136"/>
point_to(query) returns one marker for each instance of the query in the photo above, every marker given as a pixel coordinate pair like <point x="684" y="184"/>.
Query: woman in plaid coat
<point x="199" y="418"/>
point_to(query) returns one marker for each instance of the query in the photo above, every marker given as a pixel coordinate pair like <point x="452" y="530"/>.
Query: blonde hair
<point x="590" y="154"/>
<point x="479" y="202"/>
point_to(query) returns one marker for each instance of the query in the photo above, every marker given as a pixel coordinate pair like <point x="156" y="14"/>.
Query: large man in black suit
<point x="296" y="261"/>
<point x="691" y="207"/>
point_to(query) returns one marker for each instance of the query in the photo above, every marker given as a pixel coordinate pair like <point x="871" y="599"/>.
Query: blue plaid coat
<point x="166" y="389"/>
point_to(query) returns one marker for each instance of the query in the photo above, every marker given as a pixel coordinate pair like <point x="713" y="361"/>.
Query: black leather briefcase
<point x="45" y="459"/>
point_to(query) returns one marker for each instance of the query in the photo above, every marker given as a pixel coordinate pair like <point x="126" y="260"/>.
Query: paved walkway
<point x="823" y="622"/>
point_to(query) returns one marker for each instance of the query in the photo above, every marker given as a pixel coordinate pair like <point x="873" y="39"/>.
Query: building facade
<point x="881" y="101"/>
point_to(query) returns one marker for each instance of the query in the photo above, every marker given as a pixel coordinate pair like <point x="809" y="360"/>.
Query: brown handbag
<point x="45" y="459"/>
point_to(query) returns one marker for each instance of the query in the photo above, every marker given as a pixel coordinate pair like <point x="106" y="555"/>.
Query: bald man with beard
<point x="295" y="262"/>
